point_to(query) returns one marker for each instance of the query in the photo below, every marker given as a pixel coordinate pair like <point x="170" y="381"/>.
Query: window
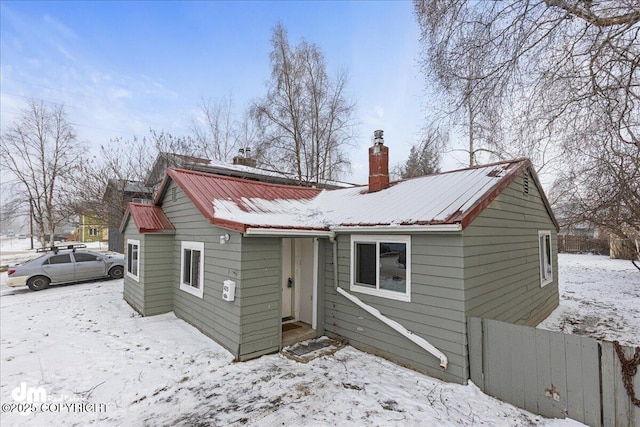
<point x="546" y="264"/>
<point x="133" y="259"/>
<point x="381" y="265"/>
<point x="142" y="201"/>
<point x="192" y="268"/>
<point x="93" y="232"/>
<point x="84" y="257"/>
<point x="59" y="259"/>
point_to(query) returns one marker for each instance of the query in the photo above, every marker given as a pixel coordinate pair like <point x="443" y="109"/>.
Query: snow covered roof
<point x="147" y="218"/>
<point x="173" y="160"/>
<point x="452" y="198"/>
<point x="260" y="174"/>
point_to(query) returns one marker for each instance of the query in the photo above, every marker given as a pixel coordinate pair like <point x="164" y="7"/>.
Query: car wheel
<point x="38" y="283"/>
<point x="116" y="272"/>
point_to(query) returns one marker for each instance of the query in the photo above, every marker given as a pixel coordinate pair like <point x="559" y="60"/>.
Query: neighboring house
<point x="243" y="167"/>
<point x="92" y="228"/>
<point x="240" y="260"/>
<point x="117" y="196"/>
<point x="165" y="161"/>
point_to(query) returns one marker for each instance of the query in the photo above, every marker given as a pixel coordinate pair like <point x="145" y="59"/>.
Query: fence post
<point x="475" y="335"/>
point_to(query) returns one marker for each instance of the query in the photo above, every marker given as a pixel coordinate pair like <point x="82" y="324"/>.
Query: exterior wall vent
<point x="526" y="184"/>
<point x="173" y="194"/>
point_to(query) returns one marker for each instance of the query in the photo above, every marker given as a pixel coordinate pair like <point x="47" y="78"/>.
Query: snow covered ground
<point x="84" y="344"/>
<point x="599" y="297"/>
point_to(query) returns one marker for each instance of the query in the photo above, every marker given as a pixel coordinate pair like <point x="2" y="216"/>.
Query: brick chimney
<point x="378" y="163"/>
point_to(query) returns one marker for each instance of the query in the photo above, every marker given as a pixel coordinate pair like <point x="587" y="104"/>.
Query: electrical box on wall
<point x="228" y="290"/>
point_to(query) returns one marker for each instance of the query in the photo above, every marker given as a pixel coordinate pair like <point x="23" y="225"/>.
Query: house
<point x="92" y="228"/>
<point x="244" y="166"/>
<point x="394" y="267"/>
<point x="117" y="196"/>
<point x="165" y="161"/>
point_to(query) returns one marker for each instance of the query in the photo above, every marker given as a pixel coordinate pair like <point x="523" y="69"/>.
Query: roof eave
<point x="155" y="231"/>
<point x="287" y="232"/>
<point x="125" y="219"/>
<point x="465" y="218"/>
<point x="394" y="229"/>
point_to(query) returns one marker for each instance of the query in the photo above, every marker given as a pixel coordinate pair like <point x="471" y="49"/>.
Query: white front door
<point x="304" y="274"/>
<point x="299" y="284"/>
<point x="288" y="276"/>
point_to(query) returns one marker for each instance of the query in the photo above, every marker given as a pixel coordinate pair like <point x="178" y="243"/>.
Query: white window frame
<point x="133" y="242"/>
<point x="197" y="291"/>
<point x="377" y="239"/>
<point x="546" y="277"/>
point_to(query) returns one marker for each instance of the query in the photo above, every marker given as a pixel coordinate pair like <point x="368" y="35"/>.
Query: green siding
<point x="435" y="313"/>
<point x="501" y="259"/>
<point x="491" y="270"/>
<point x="158" y="254"/>
<point x="260" y="296"/>
<point x="152" y="293"/>
<point x="218" y="319"/>
<point x="133" y="290"/>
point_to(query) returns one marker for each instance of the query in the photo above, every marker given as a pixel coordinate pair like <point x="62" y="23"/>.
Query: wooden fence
<point x="583" y="244"/>
<point x="552" y="374"/>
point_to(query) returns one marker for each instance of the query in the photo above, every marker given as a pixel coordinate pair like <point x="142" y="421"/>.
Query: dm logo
<point x="29" y="394"/>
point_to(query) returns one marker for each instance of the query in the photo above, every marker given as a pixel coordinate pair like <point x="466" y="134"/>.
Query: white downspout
<point x="444" y="362"/>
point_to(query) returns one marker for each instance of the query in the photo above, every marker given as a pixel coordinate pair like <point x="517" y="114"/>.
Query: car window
<point x="84" y="257"/>
<point x="38" y="258"/>
<point x="59" y="259"/>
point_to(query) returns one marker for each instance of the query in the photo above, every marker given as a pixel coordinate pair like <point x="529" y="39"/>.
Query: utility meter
<point x="228" y="290"/>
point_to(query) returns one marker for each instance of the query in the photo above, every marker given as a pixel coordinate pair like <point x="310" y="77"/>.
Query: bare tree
<point x="214" y="131"/>
<point x="305" y="120"/>
<point x="471" y="103"/>
<point x="122" y="166"/>
<point x="424" y="157"/>
<point x="604" y="189"/>
<point x="565" y="75"/>
<point x="557" y="56"/>
<point x="42" y="152"/>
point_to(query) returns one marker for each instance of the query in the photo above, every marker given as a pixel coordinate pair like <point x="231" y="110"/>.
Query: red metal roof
<point x="202" y="188"/>
<point x="147" y="218"/>
<point x="455" y="197"/>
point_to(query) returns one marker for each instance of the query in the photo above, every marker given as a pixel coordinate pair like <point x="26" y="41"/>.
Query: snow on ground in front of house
<point x="599" y="297"/>
<point x="84" y="341"/>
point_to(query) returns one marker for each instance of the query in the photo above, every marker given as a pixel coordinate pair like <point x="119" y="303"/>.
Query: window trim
<point x="135" y="277"/>
<point x="198" y="246"/>
<point x="403" y="239"/>
<point x="544" y="281"/>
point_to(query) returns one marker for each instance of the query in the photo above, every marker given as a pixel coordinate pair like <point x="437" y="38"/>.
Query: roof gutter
<point x="288" y="232"/>
<point x="429" y="228"/>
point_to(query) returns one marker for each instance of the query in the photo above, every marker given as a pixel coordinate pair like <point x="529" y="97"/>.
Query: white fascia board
<point x="401" y="229"/>
<point x="281" y="232"/>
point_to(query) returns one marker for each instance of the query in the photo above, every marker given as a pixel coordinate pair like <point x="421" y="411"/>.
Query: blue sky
<point x="124" y="67"/>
